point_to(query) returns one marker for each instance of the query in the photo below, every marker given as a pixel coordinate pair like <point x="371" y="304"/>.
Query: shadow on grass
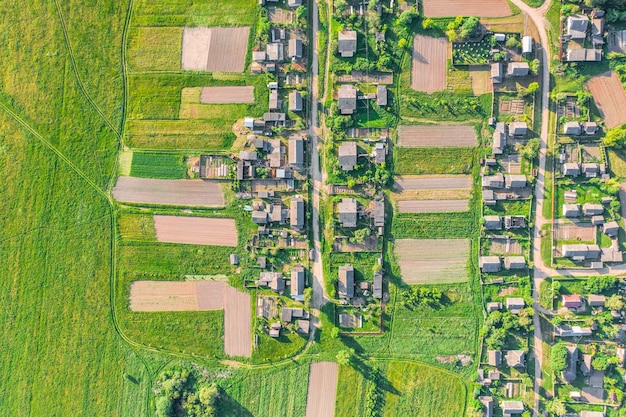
<point x="229" y="407"/>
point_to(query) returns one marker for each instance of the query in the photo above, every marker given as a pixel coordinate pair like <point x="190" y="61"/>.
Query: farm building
<point x="347" y="156"/>
<point x="273" y="280"/>
<point x="234" y="259"/>
<point x="590" y="170"/>
<point x="583" y="55"/>
<point x="487" y="403"/>
<point x="514" y="262"/>
<point x="494" y="306"/>
<point x="596" y="300"/>
<point x="493" y="223"/>
<point x="590" y="128"/>
<point x="296" y="152"/>
<point x="611" y="228"/>
<point x="572" y="301"/>
<point x="570" y="169"/>
<point x="347" y="99"/>
<point x="496" y="73"/>
<point x="514" y="222"/>
<point x="569" y="373"/>
<point x="515" y="181"/>
<point x="515" y="304"/>
<point x="565" y="330"/>
<point x="377" y="289"/>
<point x="494" y="358"/>
<point x="493" y="181"/>
<point x="571" y="210"/>
<point x="295" y="101"/>
<point x="580" y="252"/>
<point x="379" y="213"/>
<point x="297" y="283"/>
<point x="577" y="26"/>
<point x="489" y="263"/>
<point x="517" y="69"/>
<point x="591" y="209"/>
<point x="347" y="209"/>
<point x="381" y="95"/>
<point x="275" y="52"/>
<point x="296" y="214"/>
<point x="571" y="128"/>
<point x="345" y="284"/>
<point x="295" y="48"/>
<point x="347" y="43"/>
<point x="518" y="128"/>
<point x="527" y="45"/>
<point x="499" y="139"/>
<point x="379" y="153"/>
<point x="515" y="358"/>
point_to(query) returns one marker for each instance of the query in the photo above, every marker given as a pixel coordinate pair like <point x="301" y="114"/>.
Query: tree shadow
<point x="229" y="407"/>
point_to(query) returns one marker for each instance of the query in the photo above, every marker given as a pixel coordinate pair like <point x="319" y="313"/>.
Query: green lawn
<point x="194" y="13"/>
<point x="433" y="160"/>
<point x="210" y="135"/>
<point x="158" y="165"/>
<point x="434" y="225"/>
<point x="351" y="392"/>
<point x="510" y="208"/>
<point x="155" y="48"/>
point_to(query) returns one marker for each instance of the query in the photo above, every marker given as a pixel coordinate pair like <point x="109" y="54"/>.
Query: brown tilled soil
<point x="199" y="193"/>
<point x="196" y="230"/>
<point x="434" y="136"/>
<point x="322" y="389"/>
<point x="221" y="95"/>
<point x="583" y="232"/>
<point x="452" y="8"/>
<point x="610" y="98"/>
<point x="214" y="49"/>
<point x="432" y="260"/>
<point x="429" y="63"/>
<point x="176" y="295"/>
<point x="237" y="323"/>
<point x="480" y="79"/>
<point x="431" y="182"/>
<point x="432" y="206"/>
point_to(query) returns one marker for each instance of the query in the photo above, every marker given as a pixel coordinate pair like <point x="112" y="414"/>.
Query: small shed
<point x="515" y="304"/>
<point x="518" y="128"/>
<point x="496" y="73"/>
<point x="572" y="128"/>
<point x="234" y="259"/>
<point x="489" y="263"/>
<point x="381" y="95"/>
<point x="297" y="282"/>
<point x="494" y="306"/>
<point x="527" y="45"/>
<point x="595" y="300"/>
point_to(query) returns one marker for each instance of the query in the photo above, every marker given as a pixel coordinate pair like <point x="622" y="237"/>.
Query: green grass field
<point x="179" y="134"/>
<point x="155" y="48"/>
<point x="617" y="158"/>
<point x="136" y="226"/>
<point x="158" y="165"/>
<point x="433" y="160"/>
<point x="433" y="225"/>
<point x="351" y="392"/>
<point x="194" y="13"/>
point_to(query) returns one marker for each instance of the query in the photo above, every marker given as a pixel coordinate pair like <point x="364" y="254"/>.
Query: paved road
<point x="540" y="271"/>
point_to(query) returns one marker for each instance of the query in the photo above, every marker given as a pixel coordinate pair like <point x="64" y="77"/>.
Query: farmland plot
<point x="177" y="295"/>
<point x="432" y="206"/>
<point x="155" y="48"/>
<point x="433" y="136"/>
<point x="322" y="390"/>
<point x="219" y="95"/>
<point x="610" y="98"/>
<point x="432" y="182"/>
<point x="237" y="323"/>
<point x="214" y="49"/>
<point x="432" y="261"/>
<point x="479" y="8"/>
<point x="196" y="230"/>
<point x="169" y="192"/>
<point x="429" y="64"/>
<point x="584" y="232"/>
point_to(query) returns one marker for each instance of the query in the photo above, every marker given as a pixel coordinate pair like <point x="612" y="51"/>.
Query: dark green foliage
<point x="180" y="393"/>
<point x="421" y="297"/>
<point x="158" y="165"/>
<point x="600" y="284"/>
<point x="433" y="160"/>
<point x="558" y="357"/>
<point x="444" y="105"/>
<point x="433" y="225"/>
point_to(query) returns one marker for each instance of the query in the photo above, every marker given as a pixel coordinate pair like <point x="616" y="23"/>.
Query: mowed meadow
<point x="61" y="355"/>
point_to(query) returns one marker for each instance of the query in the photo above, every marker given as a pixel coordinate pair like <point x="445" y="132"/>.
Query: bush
<point x="615" y="138"/>
<point x="558" y="357"/>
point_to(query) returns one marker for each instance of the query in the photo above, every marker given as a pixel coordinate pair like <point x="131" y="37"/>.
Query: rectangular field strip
<point x="322" y="389"/>
<point x="214" y="49"/>
<point x="176" y="295"/>
<point x="432" y="206"/>
<point x="434" y="136"/>
<point x="610" y="98"/>
<point x="479" y="8"/>
<point x="429" y="65"/>
<point x="219" y="95"/>
<point x="196" y="230"/>
<point x="195" y="193"/>
<point x="432" y="261"/>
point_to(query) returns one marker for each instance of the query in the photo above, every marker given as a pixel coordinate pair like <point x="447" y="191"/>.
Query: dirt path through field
<point x="322" y="389"/>
<point x="195" y="230"/>
<point x="237" y="323"/>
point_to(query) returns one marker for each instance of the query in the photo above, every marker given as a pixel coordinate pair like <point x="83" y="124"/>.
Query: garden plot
<point x="237" y="323"/>
<point x="214" y="49"/>
<point x="276" y="15"/>
<point x="427" y="187"/>
<point x="452" y="8"/>
<point x="196" y="230"/>
<point x="322" y="390"/>
<point x="584" y="232"/>
<point x="432" y="206"/>
<point x="610" y="98"/>
<point x="176" y="295"/>
<point x="434" y="136"/>
<point x="169" y="192"/>
<point x="504" y="246"/>
<point x="222" y="95"/>
<point x="480" y="79"/>
<point x="511" y="106"/>
<point x="429" y="64"/>
<point x="432" y="261"/>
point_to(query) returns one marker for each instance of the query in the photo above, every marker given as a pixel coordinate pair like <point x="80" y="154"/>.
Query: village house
<point x="347" y="210"/>
<point x="585" y="364"/>
<point x="379" y="153"/>
<point x="515" y="304"/>
<point x="517" y="69"/>
<point x="296" y="214"/>
<point x="381" y="95"/>
<point x="494" y="306"/>
<point x="572" y="128"/>
<point x="518" y="128"/>
<point x="488" y="197"/>
<point x="611" y="228"/>
<point x="515" y="358"/>
<point x="590" y="128"/>
<point x="569" y="373"/>
<point x="274" y="102"/>
<point x="496" y="73"/>
<point x="590" y="169"/>
<point x="571" y="210"/>
<point x="565" y="330"/>
<point x="573" y="301"/>
<point x="277" y="34"/>
<point x="295" y="101"/>
<point x="347" y="43"/>
<point x="583" y="55"/>
<point x="597" y="220"/>
<point x="297" y="283"/>
<point x="571" y="169"/>
<point x="377" y="289"/>
<point x="296" y="152"/>
<point x="527" y="45"/>
<point x="489" y="263"/>
<point x="347" y="155"/>
<point x="586" y="413"/>
<point x="347" y="99"/>
<point x="493" y="223"/>
<point x="295" y="48"/>
<point x="515" y="181"/>
<point x="494" y="358"/>
<point x="275" y="52"/>
<point x="345" y="284"/>
<point x="273" y="280"/>
<point x="595" y="300"/>
<point x="487" y="403"/>
<point x="275" y="329"/>
<point x="493" y="181"/>
<point x="514" y="262"/>
<point x="591" y="209"/>
<point x="580" y="252"/>
<point x="499" y="139"/>
<point x="379" y="213"/>
<point x="577" y="26"/>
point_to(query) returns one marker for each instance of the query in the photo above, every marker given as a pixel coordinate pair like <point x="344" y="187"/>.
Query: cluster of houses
<point x="502" y="187"/>
<point x="574" y="128"/>
<point x="276" y="282"/>
<point x="516" y="130"/>
<point x="265" y="214"/>
<point x="272" y="158"/>
<point x="506" y="222"/>
<point x="289" y="316"/>
<point x="581" y="30"/>
<point x="513" y="69"/>
<point x="346" y="288"/>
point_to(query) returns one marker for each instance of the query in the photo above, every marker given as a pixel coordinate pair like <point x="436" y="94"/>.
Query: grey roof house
<point x="296" y="214"/>
<point x="296" y="151"/>
<point x="347" y="155"/>
<point x="347" y="99"/>
<point x="517" y="69"/>
<point x="499" y="139"/>
<point x="516" y="358"/>
<point x="297" y="282"/>
<point x="489" y="263"/>
<point x="570" y="169"/>
<point x="345" y="284"/>
<point x="515" y="181"/>
<point x="347" y="210"/>
<point x="514" y="262"/>
<point x="577" y="26"/>
<point x="571" y="210"/>
<point x="347" y="43"/>
<point x="572" y="128"/>
<point x="518" y="128"/>
<point x="295" y="101"/>
<point x="493" y="223"/>
<point x="295" y="48"/>
<point x="377" y="289"/>
<point x="381" y="95"/>
<point x="496" y="73"/>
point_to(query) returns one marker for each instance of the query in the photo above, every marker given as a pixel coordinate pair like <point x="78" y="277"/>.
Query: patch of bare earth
<point x="429" y="64"/>
<point x="432" y="206"/>
<point x="610" y="98"/>
<point x="435" y="136"/>
<point x="237" y="323"/>
<point x="424" y="261"/>
<point x="224" y="95"/>
<point x="176" y="295"/>
<point x="452" y="8"/>
<point x="582" y="232"/>
<point x="480" y="79"/>
<point x="214" y="49"/>
<point x="196" y="230"/>
<point x="432" y="187"/>
<point x="322" y="390"/>
<point x="199" y="193"/>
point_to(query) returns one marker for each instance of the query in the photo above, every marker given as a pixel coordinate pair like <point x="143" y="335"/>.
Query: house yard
<point x="432" y="261"/>
<point x="195" y="193"/>
<point x="429" y="68"/>
<point x="214" y="49"/>
<point x="433" y="136"/>
<point x="322" y="389"/>
<point x="479" y="8"/>
<point x="610" y="98"/>
<point x="196" y="230"/>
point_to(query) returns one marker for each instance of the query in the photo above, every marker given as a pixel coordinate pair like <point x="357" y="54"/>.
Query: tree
<point x="496" y="339"/>
<point x="600" y="362"/>
<point x="344" y="357"/>
<point x="360" y="235"/>
<point x="614" y="303"/>
<point x="558" y="357"/>
<point x="599" y="284"/>
<point x="531" y="150"/>
<point x="534" y="66"/>
<point x="526" y="318"/>
<point x="307" y="295"/>
<point x="532" y="88"/>
<point x="558" y="407"/>
<point x="512" y="42"/>
<point x="615" y="138"/>
<point x="469" y="26"/>
<point x="402" y="43"/>
<point x="407" y="17"/>
<point x="428" y="23"/>
<point x="301" y="12"/>
<point x="164" y="407"/>
<point x="334" y="332"/>
<point x="340" y="6"/>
